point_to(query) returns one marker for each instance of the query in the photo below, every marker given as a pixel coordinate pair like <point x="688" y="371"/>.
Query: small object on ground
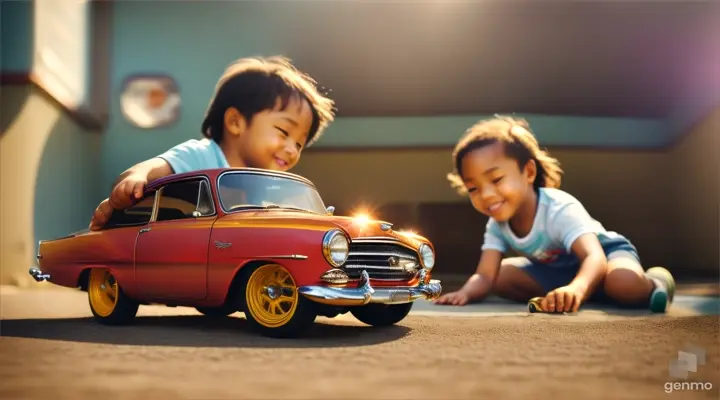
<point x="534" y="305"/>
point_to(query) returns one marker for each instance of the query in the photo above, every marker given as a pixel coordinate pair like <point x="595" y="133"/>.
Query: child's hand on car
<point x="123" y="195"/>
<point x="101" y="215"/>
<point x="458" y="298"/>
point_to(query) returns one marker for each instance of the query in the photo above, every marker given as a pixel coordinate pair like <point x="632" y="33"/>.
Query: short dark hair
<point x="519" y="142"/>
<point x="254" y="84"/>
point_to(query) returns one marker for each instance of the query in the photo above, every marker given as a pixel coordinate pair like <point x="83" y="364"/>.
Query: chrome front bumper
<point x="365" y="293"/>
<point x="38" y="275"/>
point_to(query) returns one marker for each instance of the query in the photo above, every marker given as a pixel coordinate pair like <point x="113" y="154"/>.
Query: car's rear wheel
<point x="273" y="305"/>
<point x="108" y="302"/>
<point x="382" y="314"/>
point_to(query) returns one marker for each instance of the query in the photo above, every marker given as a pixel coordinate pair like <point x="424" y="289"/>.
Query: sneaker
<point x="664" y="292"/>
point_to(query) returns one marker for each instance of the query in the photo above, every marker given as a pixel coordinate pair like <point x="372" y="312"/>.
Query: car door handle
<point x="143" y="230"/>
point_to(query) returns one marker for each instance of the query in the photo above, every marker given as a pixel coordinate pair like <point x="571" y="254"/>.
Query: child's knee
<point x="626" y="282"/>
<point x="622" y="280"/>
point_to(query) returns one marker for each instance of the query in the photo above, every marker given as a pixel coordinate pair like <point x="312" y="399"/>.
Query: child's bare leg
<point x="515" y="284"/>
<point x="628" y="283"/>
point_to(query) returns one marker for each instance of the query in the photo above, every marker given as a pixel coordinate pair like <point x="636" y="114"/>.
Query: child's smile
<point x="282" y="164"/>
<point x="274" y="139"/>
<point x="496" y="184"/>
<point x="495" y="207"/>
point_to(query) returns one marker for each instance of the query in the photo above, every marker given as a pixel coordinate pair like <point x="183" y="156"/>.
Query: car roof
<point x="215" y="172"/>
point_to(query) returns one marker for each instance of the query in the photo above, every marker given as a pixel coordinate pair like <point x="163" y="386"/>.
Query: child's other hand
<point x="458" y="298"/>
<point x="563" y="299"/>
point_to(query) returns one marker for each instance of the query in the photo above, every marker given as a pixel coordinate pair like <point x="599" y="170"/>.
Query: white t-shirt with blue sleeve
<point x="559" y="221"/>
<point x="195" y="155"/>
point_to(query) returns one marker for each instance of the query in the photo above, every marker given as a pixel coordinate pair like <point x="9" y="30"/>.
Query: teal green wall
<point x="193" y="43"/>
<point x="16" y="36"/>
<point x="67" y="188"/>
<point x="67" y="184"/>
<point x="444" y="131"/>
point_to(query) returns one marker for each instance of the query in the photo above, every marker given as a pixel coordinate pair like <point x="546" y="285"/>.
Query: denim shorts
<point x="550" y="278"/>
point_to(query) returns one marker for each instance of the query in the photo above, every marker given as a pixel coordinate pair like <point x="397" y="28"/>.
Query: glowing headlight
<point x="427" y="257"/>
<point x="335" y="247"/>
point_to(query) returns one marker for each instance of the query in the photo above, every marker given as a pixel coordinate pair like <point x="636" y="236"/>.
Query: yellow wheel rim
<point x="271" y="295"/>
<point x="103" y="291"/>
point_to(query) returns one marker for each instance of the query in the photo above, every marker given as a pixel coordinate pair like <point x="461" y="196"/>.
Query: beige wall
<point x="629" y="192"/>
<point x="48" y="175"/>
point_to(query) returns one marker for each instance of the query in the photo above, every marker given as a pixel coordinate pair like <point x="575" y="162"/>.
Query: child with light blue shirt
<point x="566" y="256"/>
<point x="263" y="114"/>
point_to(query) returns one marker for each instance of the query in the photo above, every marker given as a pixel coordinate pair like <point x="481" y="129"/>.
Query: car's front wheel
<point x="108" y="302"/>
<point x="382" y="314"/>
<point x="273" y="305"/>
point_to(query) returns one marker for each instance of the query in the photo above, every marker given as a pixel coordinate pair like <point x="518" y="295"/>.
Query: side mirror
<point x="196" y="214"/>
<point x="330" y="210"/>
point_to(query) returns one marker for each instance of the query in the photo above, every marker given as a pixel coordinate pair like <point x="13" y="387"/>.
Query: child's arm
<point x="478" y="286"/>
<point x="593" y="263"/>
<point x="153" y="169"/>
<point x="129" y="186"/>
<point x="573" y="226"/>
<point x="593" y="268"/>
<point x="131" y="183"/>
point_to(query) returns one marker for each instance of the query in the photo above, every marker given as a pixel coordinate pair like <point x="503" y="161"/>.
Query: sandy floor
<point x="50" y="347"/>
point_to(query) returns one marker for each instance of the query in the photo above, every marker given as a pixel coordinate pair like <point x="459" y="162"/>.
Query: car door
<point x="171" y="252"/>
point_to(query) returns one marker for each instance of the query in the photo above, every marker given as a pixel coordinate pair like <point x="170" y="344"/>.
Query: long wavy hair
<point x="520" y="144"/>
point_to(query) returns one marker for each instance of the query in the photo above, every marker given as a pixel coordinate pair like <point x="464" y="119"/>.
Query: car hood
<point x="355" y="228"/>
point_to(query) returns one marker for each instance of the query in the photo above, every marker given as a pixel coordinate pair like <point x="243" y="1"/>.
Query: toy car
<point x="243" y="239"/>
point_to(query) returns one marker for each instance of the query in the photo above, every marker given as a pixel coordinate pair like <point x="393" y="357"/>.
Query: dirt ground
<point x="50" y="348"/>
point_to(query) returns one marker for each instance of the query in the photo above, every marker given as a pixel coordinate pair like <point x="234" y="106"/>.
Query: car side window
<point x="179" y="200"/>
<point x="205" y="203"/>
<point x="138" y="214"/>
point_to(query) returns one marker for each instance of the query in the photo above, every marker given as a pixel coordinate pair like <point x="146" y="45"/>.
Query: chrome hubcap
<point x="272" y="292"/>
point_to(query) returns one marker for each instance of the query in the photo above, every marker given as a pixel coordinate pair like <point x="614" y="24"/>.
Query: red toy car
<point x="249" y="240"/>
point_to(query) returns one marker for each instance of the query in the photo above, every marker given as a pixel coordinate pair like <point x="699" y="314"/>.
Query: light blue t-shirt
<point x="559" y="221"/>
<point x="195" y="155"/>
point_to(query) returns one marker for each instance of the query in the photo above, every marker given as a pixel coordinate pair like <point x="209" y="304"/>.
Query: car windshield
<point x="243" y="190"/>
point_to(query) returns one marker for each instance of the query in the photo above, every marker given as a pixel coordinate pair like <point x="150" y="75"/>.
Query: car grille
<point x="374" y="257"/>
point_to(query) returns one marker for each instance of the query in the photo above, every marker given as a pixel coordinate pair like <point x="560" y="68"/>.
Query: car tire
<point x="382" y="314"/>
<point x="272" y="304"/>
<point x="108" y="303"/>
